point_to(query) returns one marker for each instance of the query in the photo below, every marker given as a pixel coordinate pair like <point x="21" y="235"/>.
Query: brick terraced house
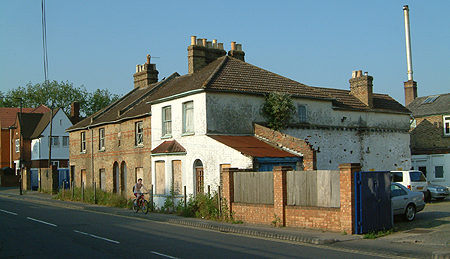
<point x="183" y="130"/>
<point x="430" y="137"/>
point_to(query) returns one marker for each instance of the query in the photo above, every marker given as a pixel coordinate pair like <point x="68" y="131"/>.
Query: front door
<point x="199" y="182"/>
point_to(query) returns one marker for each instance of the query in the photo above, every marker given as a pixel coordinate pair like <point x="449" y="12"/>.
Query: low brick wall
<point x="9" y="180"/>
<point x="333" y="219"/>
<point x="254" y="213"/>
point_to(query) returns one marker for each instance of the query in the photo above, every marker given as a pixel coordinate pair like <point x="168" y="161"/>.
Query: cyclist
<point x="137" y="190"/>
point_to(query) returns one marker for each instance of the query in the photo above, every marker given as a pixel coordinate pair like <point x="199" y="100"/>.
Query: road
<point x="30" y="230"/>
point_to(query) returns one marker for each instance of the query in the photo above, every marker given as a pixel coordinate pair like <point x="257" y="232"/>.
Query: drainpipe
<point x="92" y="155"/>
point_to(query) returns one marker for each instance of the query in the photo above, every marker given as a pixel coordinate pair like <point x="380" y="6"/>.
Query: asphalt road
<point x="29" y="230"/>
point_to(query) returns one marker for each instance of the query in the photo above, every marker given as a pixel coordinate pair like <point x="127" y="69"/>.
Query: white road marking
<point x="9" y="212"/>
<point x="43" y="222"/>
<point x="102" y="238"/>
<point x="168" y="256"/>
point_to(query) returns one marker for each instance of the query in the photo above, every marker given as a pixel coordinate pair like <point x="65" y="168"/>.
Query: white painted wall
<point x="430" y="162"/>
<point x="39" y="147"/>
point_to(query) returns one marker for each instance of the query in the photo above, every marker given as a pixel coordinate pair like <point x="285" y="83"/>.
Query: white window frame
<point x="139" y="133"/>
<point x="187" y="109"/>
<point x="166" y="122"/>
<point x="65" y="142"/>
<point x="101" y="139"/>
<point x="17" y="144"/>
<point x="54" y="141"/>
<point x="446" y="125"/>
<point x="83" y="142"/>
<point x="55" y="163"/>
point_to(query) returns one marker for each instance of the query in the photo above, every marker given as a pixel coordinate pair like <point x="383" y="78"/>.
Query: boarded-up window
<point x="102" y="178"/>
<point x="83" y="176"/>
<point x="176" y="176"/>
<point x="160" y="172"/>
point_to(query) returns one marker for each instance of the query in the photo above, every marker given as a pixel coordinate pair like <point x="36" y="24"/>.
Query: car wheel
<point x="410" y="212"/>
<point x="428" y="196"/>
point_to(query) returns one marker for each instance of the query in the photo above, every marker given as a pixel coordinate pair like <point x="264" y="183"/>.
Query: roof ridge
<point x="215" y="72"/>
<point x="143" y="96"/>
<point x="107" y="108"/>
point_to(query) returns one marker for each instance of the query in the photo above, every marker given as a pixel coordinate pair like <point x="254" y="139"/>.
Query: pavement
<point x="431" y="239"/>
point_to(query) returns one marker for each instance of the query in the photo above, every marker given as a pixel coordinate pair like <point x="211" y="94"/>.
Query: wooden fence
<point x="319" y="188"/>
<point x="253" y="187"/>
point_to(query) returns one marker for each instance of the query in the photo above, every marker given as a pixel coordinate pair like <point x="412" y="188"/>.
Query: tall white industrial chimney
<point x="408" y="42"/>
<point x="410" y="85"/>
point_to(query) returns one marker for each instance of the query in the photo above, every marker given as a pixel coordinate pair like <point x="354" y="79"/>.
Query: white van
<point x="413" y="180"/>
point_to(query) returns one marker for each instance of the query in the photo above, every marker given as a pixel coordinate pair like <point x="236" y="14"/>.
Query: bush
<point x="206" y="207"/>
<point x="278" y="109"/>
<point x="103" y="198"/>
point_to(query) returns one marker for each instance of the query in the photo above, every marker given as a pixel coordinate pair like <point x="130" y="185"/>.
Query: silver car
<point x="406" y="202"/>
<point x="438" y="192"/>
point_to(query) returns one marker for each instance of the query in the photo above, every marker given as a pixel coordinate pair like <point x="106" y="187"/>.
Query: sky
<point x="98" y="44"/>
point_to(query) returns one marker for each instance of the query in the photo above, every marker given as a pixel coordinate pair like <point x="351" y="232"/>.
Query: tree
<point x="58" y="95"/>
<point x="278" y="109"/>
<point x="100" y="99"/>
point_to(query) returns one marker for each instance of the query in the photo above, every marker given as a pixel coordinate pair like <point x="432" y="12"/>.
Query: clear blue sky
<point x="98" y="43"/>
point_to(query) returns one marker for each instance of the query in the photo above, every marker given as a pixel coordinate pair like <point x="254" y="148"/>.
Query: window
<point x="65" y="141"/>
<point x="101" y="139"/>
<point x="160" y="174"/>
<point x="397" y="191"/>
<point x="17" y="145"/>
<point x="301" y="113"/>
<point x="102" y="178"/>
<point x="176" y="177"/>
<point x="83" y="142"/>
<point x="55" y="163"/>
<point x="439" y="172"/>
<point x="139" y="133"/>
<point x="417" y="177"/>
<point x="188" y="117"/>
<point x="446" y="120"/>
<point x="166" y="121"/>
<point x="430" y="99"/>
<point x="55" y="141"/>
<point x="397" y="177"/>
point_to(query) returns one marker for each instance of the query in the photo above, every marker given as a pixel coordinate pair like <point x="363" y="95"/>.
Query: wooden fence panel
<point x="253" y="187"/>
<point x="313" y="188"/>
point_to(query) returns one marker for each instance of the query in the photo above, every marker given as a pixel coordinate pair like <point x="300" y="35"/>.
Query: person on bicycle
<point x="137" y="190"/>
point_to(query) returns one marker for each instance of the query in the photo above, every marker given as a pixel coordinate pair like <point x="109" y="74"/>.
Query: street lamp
<point x="20" y="138"/>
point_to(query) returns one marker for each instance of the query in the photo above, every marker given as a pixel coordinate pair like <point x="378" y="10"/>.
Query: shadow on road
<point x="435" y="214"/>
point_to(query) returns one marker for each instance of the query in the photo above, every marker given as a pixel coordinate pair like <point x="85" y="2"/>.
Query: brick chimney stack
<point x="361" y="87"/>
<point x="236" y="51"/>
<point x="146" y="74"/>
<point x="410" y="91"/>
<point x="201" y="52"/>
<point x="75" y="112"/>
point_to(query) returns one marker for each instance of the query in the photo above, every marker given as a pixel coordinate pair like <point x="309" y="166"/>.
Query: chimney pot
<point x="148" y="59"/>
<point x="204" y="42"/>
<point x="220" y="45"/>
<point x="354" y="74"/>
<point x="208" y="44"/>
<point x="366" y="73"/>
<point x="214" y="42"/>
<point x="199" y="42"/>
<point x="193" y="40"/>
<point x="233" y="45"/>
<point x="239" y="47"/>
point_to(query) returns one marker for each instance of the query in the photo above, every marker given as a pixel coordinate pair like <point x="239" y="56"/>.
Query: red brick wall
<point x="127" y="152"/>
<point x="295" y="144"/>
<point x="429" y="135"/>
<point x="333" y="219"/>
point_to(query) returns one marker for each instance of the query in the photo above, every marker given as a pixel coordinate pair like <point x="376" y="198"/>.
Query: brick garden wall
<point x="289" y="142"/>
<point x="332" y="219"/>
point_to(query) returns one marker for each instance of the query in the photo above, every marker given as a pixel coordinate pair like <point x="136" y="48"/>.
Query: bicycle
<point x="141" y="204"/>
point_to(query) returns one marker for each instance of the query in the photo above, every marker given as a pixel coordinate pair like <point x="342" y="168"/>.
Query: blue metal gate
<point x="63" y="179"/>
<point x="372" y="202"/>
<point x="34" y="179"/>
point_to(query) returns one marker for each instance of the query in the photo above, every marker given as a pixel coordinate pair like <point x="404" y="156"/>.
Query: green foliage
<point x="276" y="222"/>
<point x="58" y="95"/>
<point x="103" y="198"/>
<point x="381" y="233"/>
<point x="278" y="109"/>
<point x="206" y="207"/>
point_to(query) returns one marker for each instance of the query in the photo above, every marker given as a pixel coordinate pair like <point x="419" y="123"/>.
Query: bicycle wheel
<point x="144" y="206"/>
<point x="135" y="206"/>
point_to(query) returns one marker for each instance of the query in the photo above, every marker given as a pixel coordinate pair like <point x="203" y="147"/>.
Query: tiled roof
<point x="166" y="147"/>
<point x="8" y="115"/>
<point x="441" y="105"/>
<point x="251" y="146"/>
<point x="43" y="123"/>
<point x="227" y="74"/>
<point x="29" y="123"/>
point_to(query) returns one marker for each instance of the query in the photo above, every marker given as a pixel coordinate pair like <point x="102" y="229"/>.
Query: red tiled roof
<point x="166" y="147"/>
<point x="8" y="114"/>
<point x="250" y="145"/>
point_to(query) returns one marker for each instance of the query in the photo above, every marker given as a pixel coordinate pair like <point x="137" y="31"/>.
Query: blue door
<point x="64" y="178"/>
<point x="34" y="179"/>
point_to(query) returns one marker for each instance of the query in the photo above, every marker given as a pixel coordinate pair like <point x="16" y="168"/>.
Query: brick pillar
<point x="279" y="192"/>
<point x="347" y="189"/>
<point x="227" y="176"/>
